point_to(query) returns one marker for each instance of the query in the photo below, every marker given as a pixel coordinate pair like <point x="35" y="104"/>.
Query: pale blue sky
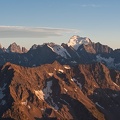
<point x="97" y="19"/>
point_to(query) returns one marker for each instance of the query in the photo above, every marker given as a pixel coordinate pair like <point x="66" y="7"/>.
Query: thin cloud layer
<point x="32" y="32"/>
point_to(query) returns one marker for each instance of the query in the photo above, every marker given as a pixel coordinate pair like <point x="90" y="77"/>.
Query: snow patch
<point x="59" y="50"/>
<point x="116" y="84"/>
<point x="109" y="61"/>
<point x="47" y="95"/>
<point x="95" y="93"/>
<point x="53" y="104"/>
<point x="34" y="47"/>
<point x="117" y="65"/>
<point x="28" y="106"/>
<point x="114" y="95"/>
<point x="95" y="86"/>
<point x="60" y="70"/>
<point x="72" y="79"/>
<point x="65" y="89"/>
<point x="76" y="81"/>
<point x="75" y="89"/>
<point x="67" y="67"/>
<point x="47" y="91"/>
<point x="64" y="101"/>
<point x="99" y="105"/>
<point x="34" y="65"/>
<point x="24" y="103"/>
<point x="7" y="51"/>
<point x="39" y="94"/>
<point x="50" y="74"/>
<point x="42" y="109"/>
<point x="73" y="62"/>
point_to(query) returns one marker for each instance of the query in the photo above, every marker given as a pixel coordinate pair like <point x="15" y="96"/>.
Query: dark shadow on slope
<point x="108" y="102"/>
<point x="77" y="109"/>
<point x="6" y="76"/>
<point x="63" y="77"/>
<point x="79" y="76"/>
<point x="46" y="119"/>
<point x="115" y="76"/>
<point x="7" y="119"/>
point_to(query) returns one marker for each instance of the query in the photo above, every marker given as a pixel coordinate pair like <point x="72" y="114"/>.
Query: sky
<point x="29" y="22"/>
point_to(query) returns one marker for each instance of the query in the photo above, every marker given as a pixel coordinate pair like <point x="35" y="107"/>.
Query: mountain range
<point x="78" y="50"/>
<point x="79" y="80"/>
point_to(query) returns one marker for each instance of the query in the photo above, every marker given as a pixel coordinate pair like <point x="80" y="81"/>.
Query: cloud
<point x="90" y="5"/>
<point x="32" y="32"/>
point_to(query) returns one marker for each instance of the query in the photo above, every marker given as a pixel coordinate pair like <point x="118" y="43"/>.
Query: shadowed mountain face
<point x="99" y="48"/>
<point x="55" y="91"/>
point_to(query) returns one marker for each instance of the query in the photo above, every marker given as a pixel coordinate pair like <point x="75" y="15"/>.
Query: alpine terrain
<point x="79" y="80"/>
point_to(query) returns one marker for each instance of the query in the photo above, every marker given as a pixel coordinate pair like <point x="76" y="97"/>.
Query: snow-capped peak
<point x="75" y="41"/>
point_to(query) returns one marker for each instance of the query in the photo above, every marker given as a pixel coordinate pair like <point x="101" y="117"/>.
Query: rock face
<point x="24" y="50"/>
<point x="16" y="48"/>
<point x="13" y="48"/>
<point x="55" y="91"/>
<point x="99" y="48"/>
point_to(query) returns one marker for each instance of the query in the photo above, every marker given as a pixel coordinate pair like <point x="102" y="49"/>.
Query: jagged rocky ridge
<point x="13" y="48"/>
<point x="55" y="91"/>
<point x="79" y="50"/>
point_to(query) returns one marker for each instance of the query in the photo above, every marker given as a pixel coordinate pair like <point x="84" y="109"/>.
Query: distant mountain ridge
<point x="75" y="42"/>
<point x="13" y="48"/>
<point x="78" y="50"/>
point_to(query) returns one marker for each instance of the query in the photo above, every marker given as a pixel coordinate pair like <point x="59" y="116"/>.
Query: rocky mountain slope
<point x="55" y="91"/>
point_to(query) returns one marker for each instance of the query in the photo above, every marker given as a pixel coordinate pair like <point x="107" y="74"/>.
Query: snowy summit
<point x="75" y="41"/>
